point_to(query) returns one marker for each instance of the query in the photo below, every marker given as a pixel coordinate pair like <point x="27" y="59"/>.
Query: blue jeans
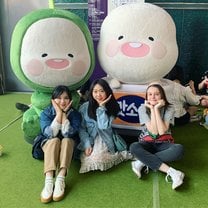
<point x="154" y="154"/>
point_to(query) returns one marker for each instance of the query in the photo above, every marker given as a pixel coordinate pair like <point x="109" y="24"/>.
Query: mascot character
<point x="50" y="47"/>
<point x="138" y="46"/>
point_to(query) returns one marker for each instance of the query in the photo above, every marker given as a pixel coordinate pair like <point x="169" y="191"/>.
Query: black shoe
<point x="22" y="107"/>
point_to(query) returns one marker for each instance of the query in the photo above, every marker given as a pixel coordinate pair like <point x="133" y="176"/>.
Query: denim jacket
<point x="47" y="116"/>
<point x="90" y="128"/>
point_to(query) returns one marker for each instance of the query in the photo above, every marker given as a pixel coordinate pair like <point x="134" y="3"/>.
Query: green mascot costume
<point x="50" y="47"/>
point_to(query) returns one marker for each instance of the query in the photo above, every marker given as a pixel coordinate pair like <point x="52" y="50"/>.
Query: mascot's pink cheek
<point x="35" y="67"/>
<point x="159" y="50"/>
<point x="79" y="68"/>
<point x="112" y="48"/>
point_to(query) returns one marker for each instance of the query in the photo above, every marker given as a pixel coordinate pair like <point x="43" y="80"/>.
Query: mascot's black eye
<point x="151" y="38"/>
<point x="70" y="55"/>
<point x="44" y="54"/>
<point x="120" y="37"/>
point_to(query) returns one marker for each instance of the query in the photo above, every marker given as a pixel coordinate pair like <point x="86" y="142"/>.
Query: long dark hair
<point x="58" y="90"/>
<point x="112" y="106"/>
<point x="162" y="93"/>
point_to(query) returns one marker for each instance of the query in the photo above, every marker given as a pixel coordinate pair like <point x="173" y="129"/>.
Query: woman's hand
<point x="64" y="112"/>
<point x="147" y="104"/>
<point x="56" y="107"/>
<point x="68" y="106"/>
<point x="160" y="104"/>
<point x="88" y="151"/>
<point x="105" y="101"/>
<point x="58" y="110"/>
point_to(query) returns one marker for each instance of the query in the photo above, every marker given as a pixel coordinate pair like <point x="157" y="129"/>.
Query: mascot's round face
<point x="54" y="51"/>
<point x="137" y="43"/>
<point x="54" y="57"/>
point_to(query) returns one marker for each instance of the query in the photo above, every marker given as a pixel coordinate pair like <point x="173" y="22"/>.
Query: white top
<point x="178" y="96"/>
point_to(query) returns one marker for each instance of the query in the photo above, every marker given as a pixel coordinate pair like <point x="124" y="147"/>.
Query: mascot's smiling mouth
<point x="59" y="64"/>
<point x="135" y="49"/>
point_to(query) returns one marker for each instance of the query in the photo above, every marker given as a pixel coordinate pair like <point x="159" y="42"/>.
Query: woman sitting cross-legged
<point x="156" y="147"/>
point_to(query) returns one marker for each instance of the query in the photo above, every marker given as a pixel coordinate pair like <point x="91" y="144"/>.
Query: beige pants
<point x="57" y="154"/>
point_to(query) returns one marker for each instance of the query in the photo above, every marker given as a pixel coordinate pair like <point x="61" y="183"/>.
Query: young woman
<point x="96" y="133"/>
<point x="59" y="125"/>
<point x="156" y="146"/>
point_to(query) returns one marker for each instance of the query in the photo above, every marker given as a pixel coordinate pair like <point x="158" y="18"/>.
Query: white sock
<point x="48" y="179"/>
<point x="61" y="178"/>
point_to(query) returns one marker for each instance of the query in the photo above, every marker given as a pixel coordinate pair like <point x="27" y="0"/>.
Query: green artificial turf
<point x="21" y="176"/>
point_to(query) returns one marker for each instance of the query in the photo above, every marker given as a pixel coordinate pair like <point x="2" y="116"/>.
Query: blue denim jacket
<point x="90" y="128"/>
<point x="48" y="115"/>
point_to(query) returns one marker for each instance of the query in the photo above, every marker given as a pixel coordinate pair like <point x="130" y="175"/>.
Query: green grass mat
<point x="21" y="176"/>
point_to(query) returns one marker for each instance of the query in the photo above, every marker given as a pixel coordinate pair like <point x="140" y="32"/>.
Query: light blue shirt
<point x="90" y="128"/>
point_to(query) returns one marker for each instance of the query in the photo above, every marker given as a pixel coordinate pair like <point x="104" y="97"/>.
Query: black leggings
<point x="182" y="120"/>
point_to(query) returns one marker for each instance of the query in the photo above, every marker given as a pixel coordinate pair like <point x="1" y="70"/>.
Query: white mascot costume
<point x="138" y="46"/>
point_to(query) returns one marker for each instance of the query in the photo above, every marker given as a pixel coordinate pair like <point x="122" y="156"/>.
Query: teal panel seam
<point x="182" y="6"/>
<point x="71" y="5"/>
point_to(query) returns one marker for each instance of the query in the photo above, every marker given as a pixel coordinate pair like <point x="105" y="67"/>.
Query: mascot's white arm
<point x="114" y="83"/>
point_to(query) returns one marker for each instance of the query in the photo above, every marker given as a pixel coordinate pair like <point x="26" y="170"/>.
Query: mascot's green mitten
<point x="50" y="47"/>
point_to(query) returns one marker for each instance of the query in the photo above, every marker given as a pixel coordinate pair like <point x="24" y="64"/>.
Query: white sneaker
<point x="195" y="118"/>
<point x="59" y="189"/>
<point x="137" y="167"/>
<point x="47" y="192"/>
<point x="176" y="176"/>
